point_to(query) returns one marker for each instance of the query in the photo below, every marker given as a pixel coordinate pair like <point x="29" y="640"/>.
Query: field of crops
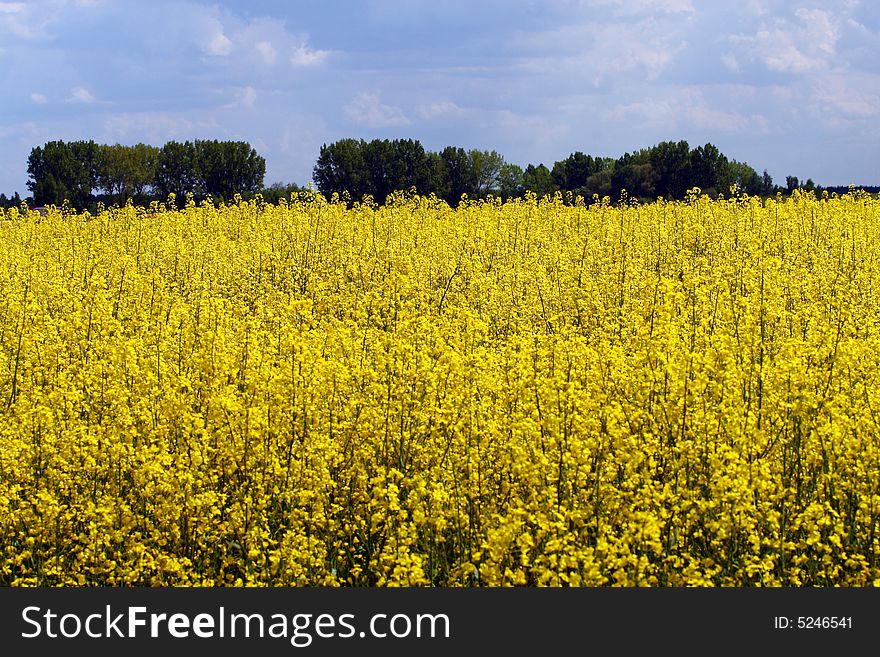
<point x="528" y="393"/>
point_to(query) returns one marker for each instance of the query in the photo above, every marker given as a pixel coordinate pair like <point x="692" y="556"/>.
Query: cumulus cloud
<point x="855" y="97"/>
<point x="368" y="111"/>
<point x="305" y="56"/>
<point x="38" y="98"/>
<point x="803" y="45"/>
<point x="22" y="20"/>
<point x="211" y="37"/>
<point x="266" y="51"/>
<point x="591" y="53"/>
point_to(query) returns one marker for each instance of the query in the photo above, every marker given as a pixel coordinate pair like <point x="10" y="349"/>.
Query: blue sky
<point x="793" y="87"/>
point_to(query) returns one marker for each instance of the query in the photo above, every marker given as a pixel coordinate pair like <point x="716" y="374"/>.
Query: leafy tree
<point x="460" y="175"/>
<point x="13" y="201"/>
<point x="400" y="164"/>
<point x="60" y="171"/>
<point x="379" y="165"/>
<point x="538" y="180"/>
<point x="412" y="166"/>
<point x="439" y="179"/>
<point x="598" y="184"/>
<point x="706" y="168"/>
<point x="634" y="173"/>
<point x="743" y="176"/>
<point x="791" y="183"/>
<point x="670" y="163"/>
<point x="572" y="173"/>
<point x="510" y="181"/>
<point x="341" y="167"/>
<point x="126" y="172"/>
<point x="767" y="187"/>
<point x="176" y="171"/>
<point x="279" y="190"/>
<point x="486" y="166"/>
<point x="226" y="168"/>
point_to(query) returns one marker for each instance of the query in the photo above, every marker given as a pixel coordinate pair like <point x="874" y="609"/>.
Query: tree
<point x="599" y="184"/>
<point x="538" y="180"/>
<point x="634" y="173"/>
<point x="743" y="176"/>
<point x="279" y="190"/>
<point x="380" y="168"/>
<point x="13" y="201"/>
<point x="400" y="164"/>
<point x="767" y="187"/>
<point x="486" y="166"/>
<point x="791" y="183"/>
<point x="670" y="162"/>
<point x="706" y="167"/>
<point x="572" y="172"/>
<point x="460" y="176"/>
<point x="226" y="168"/>
<point x="126" y="172"/>
<point x="510" y="181"/>
<point x="176" y="170"/>
<point x="411" y="166"/>
<point x="341" y="168"/>
<point x="61" y="171"/>
<point x="438" y="182"/>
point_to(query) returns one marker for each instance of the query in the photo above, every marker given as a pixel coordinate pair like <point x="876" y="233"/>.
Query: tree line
<point x="85" y="173"/>
<point x="668" y="169"/>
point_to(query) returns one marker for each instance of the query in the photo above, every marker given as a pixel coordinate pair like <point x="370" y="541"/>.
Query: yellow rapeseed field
<point x="533" y="392"/>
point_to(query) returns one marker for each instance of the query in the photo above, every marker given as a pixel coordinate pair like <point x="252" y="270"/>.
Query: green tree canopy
<point x="176" y="170"/>
<point x="538" y="180"/>
<point x="226" y="168"/>
<point x="60" y="171"/>
<point x="127" y="172"/>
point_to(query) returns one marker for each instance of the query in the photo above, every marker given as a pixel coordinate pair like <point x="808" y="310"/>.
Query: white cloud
<point x="266" y="51"/>
<point x="38" y="98"/>
<point x="595" y="53"/>
<point x="18" y="19"/>
<point x="819" y="27"/>
<point x="304" y="56"/>
<point x="855" y="96"/>
<point x="805" y="45"/>
<point x="440" y="108"/>
<point x="81" y="95"/>
<point x="730" y="63"/>
<point x="219" y="45"/>
<point x="155" y="127"/>
<point x="245" y="43"/>
<point x="366" y="110"/>
<point x="243" y="97"/>
<point x="629" y="7"/>
<point x="210" y="33"/>
<point x="688" y="109"/>
<point x="720" y="121"/>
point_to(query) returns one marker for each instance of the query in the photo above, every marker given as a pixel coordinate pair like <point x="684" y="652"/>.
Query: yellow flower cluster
<point x="527" y="393"/>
